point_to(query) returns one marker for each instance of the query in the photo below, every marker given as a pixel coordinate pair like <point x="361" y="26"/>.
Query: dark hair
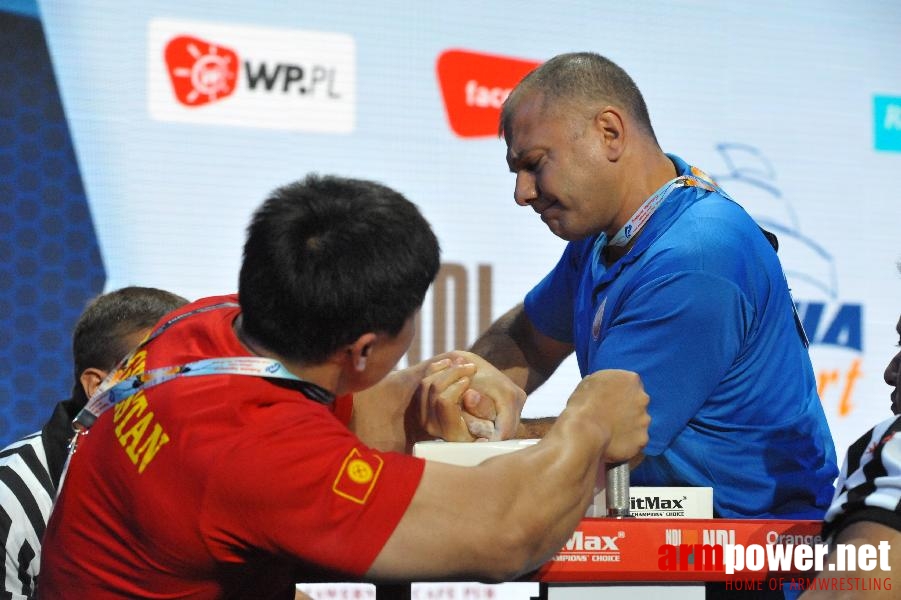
<point x="328" y="259"/>
<point x="100" y="336"/>
<point x="580" y="77"/>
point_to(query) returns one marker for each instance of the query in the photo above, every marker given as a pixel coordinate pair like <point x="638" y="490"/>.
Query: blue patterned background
<point x="50" y="264"/>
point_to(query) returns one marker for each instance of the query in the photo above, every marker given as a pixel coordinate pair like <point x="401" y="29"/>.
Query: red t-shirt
<point x="218" y="486"/>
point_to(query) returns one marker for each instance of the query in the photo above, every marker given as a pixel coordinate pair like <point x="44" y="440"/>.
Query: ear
<point x="90" y="379"/>
<point x="359" y="351"/>
<point x="609" y="122"/>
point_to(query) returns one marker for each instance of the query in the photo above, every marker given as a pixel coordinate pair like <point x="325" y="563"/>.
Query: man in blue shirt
<point x="664" y="275"/>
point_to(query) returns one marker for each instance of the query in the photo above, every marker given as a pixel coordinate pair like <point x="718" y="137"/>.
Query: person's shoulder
<point x="711" y="227"/>
<point x="722" y="211"/>
<point x="27" y="460"/>
<point x="885" y="433"/>
<point x="868" y="488"/>
<point x="17" y="447"/>
<point x="716" y="228"/>
<point x="209" y="302"/>
<point x="891" y="422"/>
<point x="885" y="426"/>
<point x="200" y="315"/>
<point x="871" y="446"/>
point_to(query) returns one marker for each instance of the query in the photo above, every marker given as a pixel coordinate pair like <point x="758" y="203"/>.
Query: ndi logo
<point x="887" y="123"/>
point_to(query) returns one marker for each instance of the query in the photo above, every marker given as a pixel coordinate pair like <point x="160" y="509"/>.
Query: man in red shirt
<point x="252" y="441"/>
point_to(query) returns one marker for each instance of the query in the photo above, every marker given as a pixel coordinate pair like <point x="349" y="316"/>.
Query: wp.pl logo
<point x="251" y="76"/>
<point x="201" y="72"/>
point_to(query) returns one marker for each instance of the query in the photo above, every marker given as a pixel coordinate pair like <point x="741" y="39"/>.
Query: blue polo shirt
<point x="699" y="307"/>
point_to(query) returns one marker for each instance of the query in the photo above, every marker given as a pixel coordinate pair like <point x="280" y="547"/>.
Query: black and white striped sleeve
<point x="26" y="497"/>
<point x="869" y="485"/>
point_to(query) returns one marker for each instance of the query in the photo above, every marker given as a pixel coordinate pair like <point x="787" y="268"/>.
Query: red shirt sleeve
<point x="312" y="490"/>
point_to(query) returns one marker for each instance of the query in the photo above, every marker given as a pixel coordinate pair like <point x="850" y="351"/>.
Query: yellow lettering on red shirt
<point x="134" y="422"/>
<point x="137" y="404"/>
<point x="157" y="439"/>
<point x="120" y="409"/>
<point x="134" y="435"/>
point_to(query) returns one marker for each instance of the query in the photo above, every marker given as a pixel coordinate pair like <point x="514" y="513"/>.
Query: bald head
<point x="577" y="82"/>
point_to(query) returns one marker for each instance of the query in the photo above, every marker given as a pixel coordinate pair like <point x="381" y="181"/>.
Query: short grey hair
<point x="580" y="77"/>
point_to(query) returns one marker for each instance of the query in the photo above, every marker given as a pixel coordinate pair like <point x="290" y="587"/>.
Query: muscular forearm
<point x="523" y="354"/>
<point x="605" y="420"/>
<point x="534" y="428"/>
<point x="498" y="348"/>
<point x="556" y="484"/>
<point x="502" y="518"/>
<point x="381" y="416"/>
<point x="512" y="512"/>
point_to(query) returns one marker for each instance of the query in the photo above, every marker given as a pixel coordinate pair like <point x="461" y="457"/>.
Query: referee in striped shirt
<point x="866" y="508"/>
<point x="30" y="468"/>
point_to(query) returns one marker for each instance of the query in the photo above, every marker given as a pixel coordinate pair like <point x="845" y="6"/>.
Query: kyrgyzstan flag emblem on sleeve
<point x="357" y="477"/>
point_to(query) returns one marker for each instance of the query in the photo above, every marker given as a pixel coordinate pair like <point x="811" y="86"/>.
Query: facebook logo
<point x="887" y="123"/>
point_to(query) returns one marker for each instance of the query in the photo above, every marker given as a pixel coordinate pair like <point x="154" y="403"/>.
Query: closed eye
<point x="532" y="166"/>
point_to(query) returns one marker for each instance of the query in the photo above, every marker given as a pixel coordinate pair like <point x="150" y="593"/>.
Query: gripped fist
<point x="617" y="402"/>
<point x="493" y="403"/>
<point x="441" y="400"/>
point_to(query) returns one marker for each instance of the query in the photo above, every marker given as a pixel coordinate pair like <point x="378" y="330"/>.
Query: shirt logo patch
<point x="357" y="477"/>
<point x="598" y="318"/>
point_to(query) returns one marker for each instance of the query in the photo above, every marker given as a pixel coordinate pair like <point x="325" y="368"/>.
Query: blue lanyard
<point x="118" y="386"/>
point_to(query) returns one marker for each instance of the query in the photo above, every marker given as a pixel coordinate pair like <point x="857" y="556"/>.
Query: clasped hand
<point x="464" y="398"/>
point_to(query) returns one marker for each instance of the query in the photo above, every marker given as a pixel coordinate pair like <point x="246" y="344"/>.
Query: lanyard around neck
<point x="118" y="385"/>
<point x="697" y="179"/>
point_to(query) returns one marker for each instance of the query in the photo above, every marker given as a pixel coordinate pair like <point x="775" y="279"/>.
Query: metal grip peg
<point x="617" y="490"/>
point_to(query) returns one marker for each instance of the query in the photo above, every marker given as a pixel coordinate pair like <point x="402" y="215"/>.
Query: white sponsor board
<point x="287" y="79"/>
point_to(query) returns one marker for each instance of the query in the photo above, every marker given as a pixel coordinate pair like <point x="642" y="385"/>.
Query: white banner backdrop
<point x="185" y="115"/>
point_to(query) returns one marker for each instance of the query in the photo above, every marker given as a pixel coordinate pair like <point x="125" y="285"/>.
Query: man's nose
<point x="525" y="191"/>
<point x="891" y="371"/>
